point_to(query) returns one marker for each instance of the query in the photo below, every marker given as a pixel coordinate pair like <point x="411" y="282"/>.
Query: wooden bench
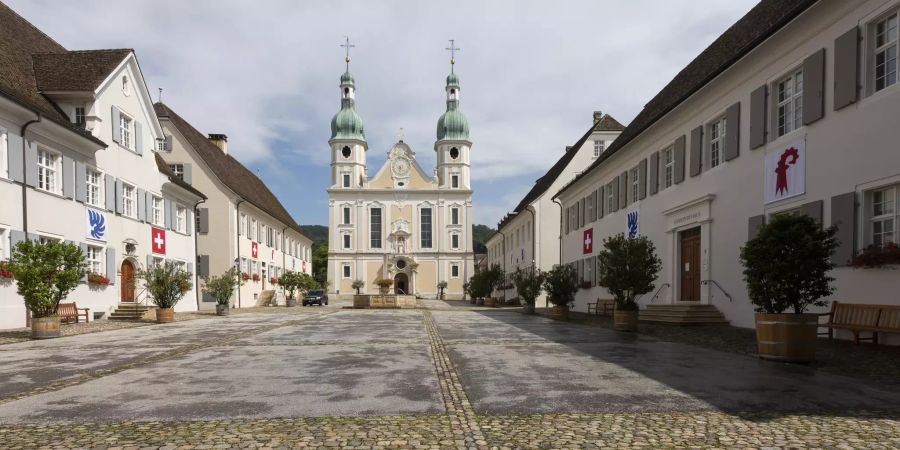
<point x="602" y="307"/>
<point x="858" y="318"/>
<point x="69" y="311"/>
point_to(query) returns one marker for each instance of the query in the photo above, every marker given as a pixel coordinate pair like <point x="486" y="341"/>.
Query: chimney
<point x="597" y="116"/>
<point x="221" y="141"/>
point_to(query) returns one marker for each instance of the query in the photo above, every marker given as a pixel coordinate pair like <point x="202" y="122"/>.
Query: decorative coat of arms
<point x="96" y="225"/>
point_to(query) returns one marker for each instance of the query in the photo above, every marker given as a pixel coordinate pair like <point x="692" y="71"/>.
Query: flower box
<point x="4" y="270"/>
<point x="245" y="276"/>
<point x="273" y="280"/>
<point x="255" y="277"/>
<point x="97" y="279"/>
<point x="874" y="256"/>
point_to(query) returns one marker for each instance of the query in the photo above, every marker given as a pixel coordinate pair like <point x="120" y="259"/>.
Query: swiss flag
<point x="158" y="240"/>
<point x="254" y="249"/>
<point x="588" y="241"/>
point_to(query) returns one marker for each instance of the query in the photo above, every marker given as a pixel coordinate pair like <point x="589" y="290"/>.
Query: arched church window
<point x="345" y="152"/>
<point x="401" y="264"/>
<point x="454" y="153"/>
<point x="452" y="91"/>
<point x="346" y="91"/>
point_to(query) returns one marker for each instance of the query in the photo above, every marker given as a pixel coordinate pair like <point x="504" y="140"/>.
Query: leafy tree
<point x="320" y="264"/>
<point x="483" y="283"/>
<point x="561" y="284"/>
<point x="528" y="284"/>
<point x="46" y="273"/>
<point x="628" y="268"/>
<point x="294" y="281"/>
<point x="167" y="283"/>
<point x="441" y="286"/>
<point x="358" y="284"/>
<point x="221" y="287"/>
<point x="786" y="265"/>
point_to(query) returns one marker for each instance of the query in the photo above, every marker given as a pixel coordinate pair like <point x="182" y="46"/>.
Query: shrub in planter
<point x="294" y="281"/>
<point x="528" y="284"/>
<point x="245" y="276"/>
<point x="441" y="286"/>
<point x="561" y="284"/>
<point x="4" y="270"/>
<point x="786" y="268"/>
<point x="628" y="268"/>
<point x="166" y="283"/>
<point x="358" y="284"/>
<point x="256" y="277"/>
<point x="875" y="256"/>
<point x="45" y="274"/>
<point x="221" y="288"/>
<point x="97" y="279"/>
<point x="384" y="285"/>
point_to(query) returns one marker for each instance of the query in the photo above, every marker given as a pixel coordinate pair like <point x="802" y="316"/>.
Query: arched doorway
<point x="401" y="284"/>
<point x="127" y="271"/>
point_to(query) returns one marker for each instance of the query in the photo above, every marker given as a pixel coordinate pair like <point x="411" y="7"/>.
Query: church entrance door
<point x="401" y="284"/>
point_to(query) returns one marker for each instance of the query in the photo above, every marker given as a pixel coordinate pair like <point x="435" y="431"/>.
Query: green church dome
<point x="347" y="124"/>
<point x="452" y="79"/>
<point x="453" y="125"/>
<point x="347" y="78"/>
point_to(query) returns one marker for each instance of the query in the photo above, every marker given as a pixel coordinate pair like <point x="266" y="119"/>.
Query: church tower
<point x="348" y="139"/>
<point x="452" y="145"/>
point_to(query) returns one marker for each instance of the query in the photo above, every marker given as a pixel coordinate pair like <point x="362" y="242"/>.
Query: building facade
<point x="77" y="163"/>
<point x="792" y="110"/>
<point x="402" y="223"/>
<point x="529" y="235"/>
<point x="242" y="223"/>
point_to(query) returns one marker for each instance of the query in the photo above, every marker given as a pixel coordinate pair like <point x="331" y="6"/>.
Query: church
<point x="405" y="224"/>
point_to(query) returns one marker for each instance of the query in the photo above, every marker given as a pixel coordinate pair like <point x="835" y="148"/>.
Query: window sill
<point x="781" y="140"/>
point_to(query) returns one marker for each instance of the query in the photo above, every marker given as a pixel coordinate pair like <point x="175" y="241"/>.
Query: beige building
<point x="242" y="223"/>
<point x="402" y="223"/>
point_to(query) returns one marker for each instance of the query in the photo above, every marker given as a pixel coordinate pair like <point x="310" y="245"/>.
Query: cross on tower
<point x="401" y="135"/>
<point x="347" y="46"/>
<point x="453" y="48"/>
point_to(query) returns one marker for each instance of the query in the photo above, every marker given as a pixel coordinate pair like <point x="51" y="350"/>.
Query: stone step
<point x="685" y="320"/>
<point x="688" y="314"/>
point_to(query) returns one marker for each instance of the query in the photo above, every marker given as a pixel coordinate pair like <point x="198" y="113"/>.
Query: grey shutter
<point x="592" y="200"/>
<point x="142" y="205"/>
<point x="813" y="209"/>
<point x="654" y="173"/>
<point x="814" y="87"/>
<point x="615" y="194"/>
<point x="679" y="159"/>
<point x="167" y="207"/>
<point x="601" y="203"/>
<point x="31" y="163"/>
<point x="149" y="261"/>
<point x="188" y="221"/>
<point x="203" y="266"/>
<point x="642" y="179"/>
<point x="696" y="156"/>
<point x="120" y="198"/>
<point x="148" y="206"/>
<point x="168" y="144"/>
<point x="187" y="174"/>
<point x="80" y="182"/>
<point x="582" y="212"/>
<point x="15" y="236"/>
<point x="68" y="177"/>
<point x="138" y="138"/>
<point x="732" y="131"/>
<point x="117" y="132"/>
<point x="190" y="268"/>
<point x="846" y="68"/>
<point x="110" y="192"/>
<point x="203" y="225"/>
<point x="843" y="216"/>
<point x="758" y="117"/>
<point x="84" y="248"/>
<point x="14" y="157"/>
<point x="754" y="224"/>
<point x="623" y="190"/>
<point x="111" y="264"/>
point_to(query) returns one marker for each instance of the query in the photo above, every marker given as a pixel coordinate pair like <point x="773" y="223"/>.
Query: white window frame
<point x="890" y="43"/>
<point x="80" y="119"/>
<point x="4" y="244"/>
<point x="178" y="170"/>
<point x="454" y="240"/>
<point x="346" y="241"/>
<point x="715" y="133"/>
<point x="253" y="229"/>
<point x="129" y="200"/>
<point x="889" y="219"/>
<point x="454" y="181"/>
<point x="243" y="230"/>
<point x="634" y="178"/>
<point x="49" y="171"/>
<point x="156" y="209"/>
<point x="126" y="131"/>
<point x="94" y="259"/>
<point x="345" y="177"/>
<point x="599" y="147"/>
<point x="180" y="218"/>
<point x="610" y="199"/>
<point x="454" y="270"/>
<point x="346" y="273"/>
<point x="346" y="215"/>
<point x="789" y="103"/>
<point x="668" y="158"/>
<point x="454" y="216"/>
<point x="94" y="194"/>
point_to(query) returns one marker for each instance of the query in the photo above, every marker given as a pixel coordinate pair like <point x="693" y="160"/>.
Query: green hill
<point x="480" y="236"/>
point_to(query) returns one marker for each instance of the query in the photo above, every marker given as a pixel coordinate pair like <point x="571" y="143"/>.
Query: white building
<point x="77" y="163"/>
<point x="402" y="223"/>
<point x="529" y="235"/>
<point x="242" y="221"/>
<point x="793" y="109"/>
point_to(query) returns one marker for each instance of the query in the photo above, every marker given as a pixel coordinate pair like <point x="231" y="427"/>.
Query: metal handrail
<point x="714" y="282"/>
<point x="656" y="295"/>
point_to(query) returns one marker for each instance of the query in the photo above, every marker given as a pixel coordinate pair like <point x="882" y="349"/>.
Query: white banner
<point x="786" y="171"/>
<point x="96" y="224"/>
<point x="633" y="224"/>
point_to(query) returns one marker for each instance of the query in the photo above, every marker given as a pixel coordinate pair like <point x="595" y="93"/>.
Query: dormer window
<point x="79" y="117"/>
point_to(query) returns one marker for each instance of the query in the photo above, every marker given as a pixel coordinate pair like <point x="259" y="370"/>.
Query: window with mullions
<point x="94" y="188"/>
<point x="375" y="227"/>
<point x="883" y="215"/>
<point x="94" y="259"/>
<point x="48" y="171"/>
<point x="790" y="102"/>
<point x="886" y="48"/>
<point x="425" y="224"/>
<point x="716" y="133"/>
<point x="668" y="159"/>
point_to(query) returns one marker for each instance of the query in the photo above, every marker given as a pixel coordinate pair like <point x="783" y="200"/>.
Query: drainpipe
<point x="533" y="236"/>
<point x="25" y="174"/>
<point x="547" y="300"/>
<point x="197" y="256"/>
<point x="237" y="246"/>
<point x="283" y="260"/>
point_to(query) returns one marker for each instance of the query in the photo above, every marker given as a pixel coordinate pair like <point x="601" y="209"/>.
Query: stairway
<point x="265" y="298"/>
<point x="129" y="311"/>
<point x="683" y="314"/>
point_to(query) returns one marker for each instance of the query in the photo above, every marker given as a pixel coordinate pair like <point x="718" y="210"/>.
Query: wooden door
<point x="690" y="265"/>
<point x="127" y="281"/>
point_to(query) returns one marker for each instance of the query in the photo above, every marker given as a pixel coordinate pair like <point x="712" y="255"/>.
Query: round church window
<point x="454" y="153"/>
<point x="401" y="264"/>
<point x="345" y="152"/>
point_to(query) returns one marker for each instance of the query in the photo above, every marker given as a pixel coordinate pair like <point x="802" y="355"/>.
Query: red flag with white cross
<point x="588" y="241"/>
<point x="254" y="249"/>
<point x="158" y="240"/>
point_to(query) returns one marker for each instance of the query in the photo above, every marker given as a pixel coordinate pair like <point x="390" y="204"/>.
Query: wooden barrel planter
<point x="165" y="315"/>
<point x="787" y="337"/>
<point x="44" y="327"/>
<point x="221" y="310"/>
<point x="625" y="320"/>
<point x="561" y="311"/>
<point x="528" y="308"/>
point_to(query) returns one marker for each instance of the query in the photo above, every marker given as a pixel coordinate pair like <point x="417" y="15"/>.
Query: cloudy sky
<point x="266" y="73"/>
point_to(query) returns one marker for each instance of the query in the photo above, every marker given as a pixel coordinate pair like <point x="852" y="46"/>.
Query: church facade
<point x="402" y="223"/>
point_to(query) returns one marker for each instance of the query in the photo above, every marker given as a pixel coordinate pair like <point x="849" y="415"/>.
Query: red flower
<point x="874" y="256"/>
<point x="96" y="278"/>
<point x="245" y="276"/>
<point x="255" y="277"/>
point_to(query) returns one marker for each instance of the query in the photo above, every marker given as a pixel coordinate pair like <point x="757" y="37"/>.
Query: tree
<point x="46" y="273"/>
<point x="561" y="284"/>
<point x="628" y="268"/>
<point x="483" y="283"/>
<point x="221" y="287"/>
<point x="320" y="264"/>
<point x="358" y="284"/>
<point x="441" y="286"/>
<point x="294" y="281"/>
<point x="786" y="265"/>
<point x="167" y="283"/>
<point x="528" y="283"/>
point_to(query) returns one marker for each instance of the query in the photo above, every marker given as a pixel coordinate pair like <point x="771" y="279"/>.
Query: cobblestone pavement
<point x="448" y="377"/>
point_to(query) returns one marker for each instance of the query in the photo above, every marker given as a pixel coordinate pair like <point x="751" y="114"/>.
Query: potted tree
<point x="441" y="286"/>
<point x="167" y="283"/>
<point x="528" y="285"/>
<point x="290" y="282"/>
<point x="358" y="284"/>
<point x="786" y="268"/>
<point x="221" y="288"/>
<point x="561" y="284"/>
<point x="628" y="268"/>
<point x="45" y="274"/>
